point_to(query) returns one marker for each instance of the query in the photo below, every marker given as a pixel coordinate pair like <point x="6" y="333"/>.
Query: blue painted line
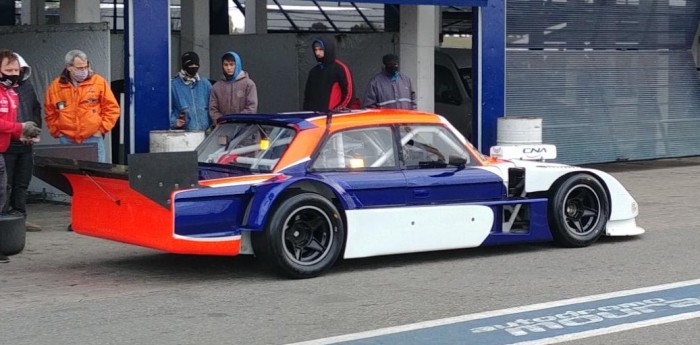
<point x="549" y="322"/>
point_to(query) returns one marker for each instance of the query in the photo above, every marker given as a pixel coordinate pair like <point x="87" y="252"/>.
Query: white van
<point x="453" y="81"/>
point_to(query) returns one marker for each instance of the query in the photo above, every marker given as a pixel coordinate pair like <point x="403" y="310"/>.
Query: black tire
<point x="12" y="234"/>
<point x="578" y="211"/>
<point x="303" y="237"/>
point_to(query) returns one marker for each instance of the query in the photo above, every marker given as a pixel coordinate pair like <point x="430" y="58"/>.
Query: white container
<point x="518" y="130"/>
<point x="174" y="140"/>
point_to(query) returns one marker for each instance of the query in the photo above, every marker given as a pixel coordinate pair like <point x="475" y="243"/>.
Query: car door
<point x="450" y="196"/>
<point x="364" y="164"/>
<point x="430" y="157"/>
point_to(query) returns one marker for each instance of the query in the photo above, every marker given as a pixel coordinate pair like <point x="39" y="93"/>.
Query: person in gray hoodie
<point x="19" y="160"/>
<point x="235" y="92"/>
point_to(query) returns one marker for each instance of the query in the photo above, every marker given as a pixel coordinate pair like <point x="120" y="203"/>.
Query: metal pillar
<point x="489" y="72"/>
<point x="7" y="12"/>
<point x="147" y="42"/>
<point x="33" y="12"/>
<point x="417" y="51"/>
<point x="80" y="11"/>
<point x="194" y="33"/>
<point x="256" y="17"/>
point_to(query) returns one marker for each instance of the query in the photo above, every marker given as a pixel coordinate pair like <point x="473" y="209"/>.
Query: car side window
<point x="363" y="148"/>
<point x="430" y="146"/>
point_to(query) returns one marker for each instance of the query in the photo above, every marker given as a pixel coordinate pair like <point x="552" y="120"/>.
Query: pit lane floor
<point x="66" y="288"/>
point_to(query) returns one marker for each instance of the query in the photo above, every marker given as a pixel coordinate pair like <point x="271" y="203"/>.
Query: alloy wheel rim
<point x="582" y="209"/>
<point x="307" y="235"/>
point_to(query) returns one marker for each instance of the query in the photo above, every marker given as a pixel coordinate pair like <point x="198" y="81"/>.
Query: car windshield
<point x="253" y="146"/>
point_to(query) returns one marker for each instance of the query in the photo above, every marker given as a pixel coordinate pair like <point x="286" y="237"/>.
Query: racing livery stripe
<point x="238" y="181"/>
<point x="208" y="239"/>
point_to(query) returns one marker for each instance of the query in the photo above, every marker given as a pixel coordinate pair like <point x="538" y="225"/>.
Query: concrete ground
<point x="65" y="288"/>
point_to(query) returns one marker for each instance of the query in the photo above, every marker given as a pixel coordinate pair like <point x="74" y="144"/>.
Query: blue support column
<point x="148" y="83"/>
<point x="489" y="67"/>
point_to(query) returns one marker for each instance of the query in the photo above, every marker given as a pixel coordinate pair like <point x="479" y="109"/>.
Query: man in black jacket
<point x="18" y="157"/>
<point x="329" y="85"/>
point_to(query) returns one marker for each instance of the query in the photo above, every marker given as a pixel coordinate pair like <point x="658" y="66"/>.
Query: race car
<point x="301" y="190"/>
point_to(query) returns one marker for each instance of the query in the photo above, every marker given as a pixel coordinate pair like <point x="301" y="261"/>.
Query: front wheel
<point x="304" y="236"/>
<point x="578" y="211"/>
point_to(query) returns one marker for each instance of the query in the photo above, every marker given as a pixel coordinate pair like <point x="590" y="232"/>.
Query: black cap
<point x="189" y="59"/>
<point x="390" y="59"/>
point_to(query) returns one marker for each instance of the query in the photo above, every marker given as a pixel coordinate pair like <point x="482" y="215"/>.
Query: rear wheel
<point x="578" y="211"/>
<point x="303" y="237"/>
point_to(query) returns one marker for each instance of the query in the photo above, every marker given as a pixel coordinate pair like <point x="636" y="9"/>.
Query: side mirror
<point x="457" y="161"/>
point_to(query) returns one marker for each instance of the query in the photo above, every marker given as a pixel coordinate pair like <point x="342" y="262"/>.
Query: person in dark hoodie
<point x="329" y="85"/>
<point x="19" y="160"/>
<point x="235" y="92"/>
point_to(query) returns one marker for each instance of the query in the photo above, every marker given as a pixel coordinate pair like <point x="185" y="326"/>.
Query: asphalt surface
<point x="67" y="288"/>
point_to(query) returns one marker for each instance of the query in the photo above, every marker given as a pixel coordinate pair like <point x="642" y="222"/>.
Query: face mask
<point x="391" y="69"/>
<point x="8" y="81"/>
<point x="80" y="75"/>
<point x="191" y="71"/>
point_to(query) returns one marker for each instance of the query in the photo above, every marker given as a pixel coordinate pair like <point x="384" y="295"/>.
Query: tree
<point x="363" y="27"/>
<point x="318" y="26"/>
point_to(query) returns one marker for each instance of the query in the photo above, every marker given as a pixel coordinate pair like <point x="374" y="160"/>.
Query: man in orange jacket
<point x="79" y="106"/>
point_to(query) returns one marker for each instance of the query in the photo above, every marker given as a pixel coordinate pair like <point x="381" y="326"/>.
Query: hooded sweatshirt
<point x="234" y="94"/>
<point x="29" y="107"/>
<point x="329" y="85"/>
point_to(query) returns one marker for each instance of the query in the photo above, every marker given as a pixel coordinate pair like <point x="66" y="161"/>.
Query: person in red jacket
<point x="19" y="156"/>
<point x="9" y="127"/>
<point x="329" y="85"/>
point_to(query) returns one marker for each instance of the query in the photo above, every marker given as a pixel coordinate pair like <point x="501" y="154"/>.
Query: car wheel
<point x="578" y="211"/>
<point x="303" y="237"/>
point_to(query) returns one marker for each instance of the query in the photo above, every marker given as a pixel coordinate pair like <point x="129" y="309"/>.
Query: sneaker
<point x="4" y="259"/>
<point x="31" y="227"/>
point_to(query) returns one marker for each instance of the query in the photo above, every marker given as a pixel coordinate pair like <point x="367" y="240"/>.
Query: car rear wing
<point x="154" y="175"/>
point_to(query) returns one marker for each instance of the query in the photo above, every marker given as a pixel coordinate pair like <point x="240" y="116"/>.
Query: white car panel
<point x="386" y="231"/>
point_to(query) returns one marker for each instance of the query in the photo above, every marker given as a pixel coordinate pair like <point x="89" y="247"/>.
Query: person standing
<point x="79" y="107"/>
<point x="235" y="92"/>
<point x="190" y="96"/>
<point x="19" y="161"/>
<point x="9" y="127"/>
<point x="390" y="88"/>
<point x="329" y="85"/>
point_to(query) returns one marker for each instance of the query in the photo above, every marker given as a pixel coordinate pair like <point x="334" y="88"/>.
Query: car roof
<point x="339" y="120"/>
<point x="374" y="117"/>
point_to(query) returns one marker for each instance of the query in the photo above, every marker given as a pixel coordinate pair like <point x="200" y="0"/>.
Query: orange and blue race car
<point x="301" y="190"/>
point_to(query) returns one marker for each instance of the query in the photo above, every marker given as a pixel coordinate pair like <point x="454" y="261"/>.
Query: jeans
<point x="100" y="141"/>
<point x="19" y="168"/>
